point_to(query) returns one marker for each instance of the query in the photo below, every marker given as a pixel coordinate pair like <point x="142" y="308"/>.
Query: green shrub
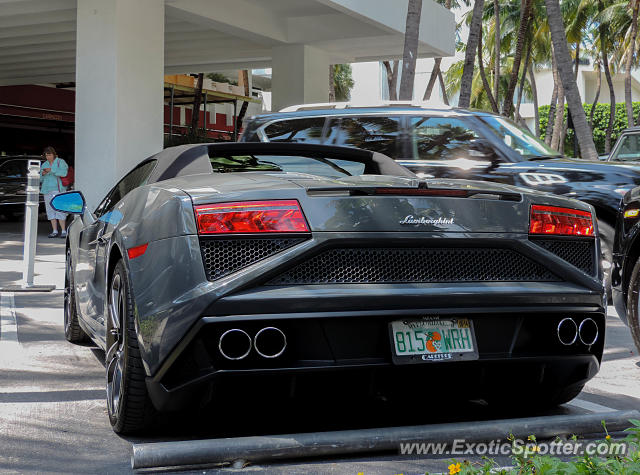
<point x="600" y="123"/>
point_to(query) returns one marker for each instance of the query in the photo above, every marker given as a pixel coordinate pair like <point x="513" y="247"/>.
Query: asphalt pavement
<point x="52" y="394"/>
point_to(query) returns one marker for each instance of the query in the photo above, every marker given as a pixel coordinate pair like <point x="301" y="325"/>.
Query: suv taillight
<point x="560" y="221"/>
<point x="281" y="216"/>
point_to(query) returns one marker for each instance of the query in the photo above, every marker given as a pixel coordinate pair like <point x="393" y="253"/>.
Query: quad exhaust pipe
<point x="236" y="344"/>
<point x="569" y="331"/>
<point x="270" y="342"/>
<point x="588" y="331"/>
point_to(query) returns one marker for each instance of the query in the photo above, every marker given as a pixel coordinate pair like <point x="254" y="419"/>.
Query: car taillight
<point x="560" y="221"/>
<point x="282" y="216"/>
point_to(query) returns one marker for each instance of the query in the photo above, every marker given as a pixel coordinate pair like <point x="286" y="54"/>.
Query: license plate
<point x="433" y="339"/>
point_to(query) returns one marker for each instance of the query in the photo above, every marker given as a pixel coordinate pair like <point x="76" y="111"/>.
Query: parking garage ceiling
<point x="38" y="37"/>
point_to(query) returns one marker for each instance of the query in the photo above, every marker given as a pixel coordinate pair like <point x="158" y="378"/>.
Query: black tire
<point x="633" y="305"/>
<point x="128" y="404"/>
<point x="72" y="330"/>
<point x="607" y="235"/>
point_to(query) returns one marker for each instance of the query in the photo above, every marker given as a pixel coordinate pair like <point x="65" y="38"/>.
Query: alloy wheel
<point x="67" y="294"/>
<point x="115" y="343"/>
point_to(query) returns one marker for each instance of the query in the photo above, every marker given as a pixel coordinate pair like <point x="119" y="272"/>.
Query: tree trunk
<point x="563" y="59"/>
<point x="523" y="78"/>
<point x="470" y="54"/>
<point x="558" y="124"/>
<point x="432" y="79"/>
<point x="534" y="93"/>
<point x="496" y="65"/>
<point x="525" y="17"/>
<point x="552" y="110"/>
<point x="595" y="100"/>
<point x="483" y="76"/>
<point x="612" y="102"/>
<point x="244" y="81"/>
<point x="629" y="62"/>
<point x="445" y="98"/>
<point x="332" y="83"/>
<point x="436" y="67"/>
<point x="197" y="98"/>
<point x="607" y="73"/>
<point x="577" y="65"/>
<point x="392" y="78"/>
<point x="554" y="101"/>
<point x="410" y="52"/>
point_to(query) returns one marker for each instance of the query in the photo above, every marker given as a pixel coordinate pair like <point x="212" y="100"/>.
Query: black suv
<point x="627" y="147"/>
<point x="447" y="142"/>
<point x="13" y="184"/>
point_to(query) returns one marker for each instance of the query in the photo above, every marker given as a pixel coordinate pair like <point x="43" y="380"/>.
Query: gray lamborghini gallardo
<point x="216" y="263"/>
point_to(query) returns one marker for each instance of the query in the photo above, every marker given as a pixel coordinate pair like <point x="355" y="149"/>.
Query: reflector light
<point x="283" y="216"/>
<point x="631" y="213"/>
<point x="137" y="251"/>
<point x="560" y="221"/>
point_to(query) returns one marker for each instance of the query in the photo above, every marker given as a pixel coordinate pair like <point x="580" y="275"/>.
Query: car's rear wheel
<point x="130" y="409"/>
<point x="633" y="304"/>
<point x="72" y="330"/>
<point x="607" y="235"/>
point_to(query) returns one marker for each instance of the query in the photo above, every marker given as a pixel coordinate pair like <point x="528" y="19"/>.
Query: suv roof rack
<point x="353" y="105"/>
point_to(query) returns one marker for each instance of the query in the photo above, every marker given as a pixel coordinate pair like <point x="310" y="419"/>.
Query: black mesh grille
<point x="576" y="253"/>
<point x="391" y="265"/>
<point x="224" y="256"/>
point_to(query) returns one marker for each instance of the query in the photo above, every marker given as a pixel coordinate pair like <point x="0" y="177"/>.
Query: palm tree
<point x="436" y="73"/>
<point x="534" y="95"/>
<point x="604" y="42"/>
<point x="627" y="69"/>
<point x="410" y="53"/>
<point x="598" y="69"/>
<point x="392" y="78"/>
<point x="483" y="76"/>
<point x="621" y="21"/>
<point x="470" y="54"/>
<point x="525" y="17"/>
<point x="496" y="51"/>
<point x="558" y="124"/>
<point x="563" y="60"/>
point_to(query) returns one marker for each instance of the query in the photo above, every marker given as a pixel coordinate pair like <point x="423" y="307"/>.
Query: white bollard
<point x="31" y="222"/>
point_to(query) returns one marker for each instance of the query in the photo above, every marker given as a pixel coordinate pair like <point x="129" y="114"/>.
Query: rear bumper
<point x="334" y="347"/>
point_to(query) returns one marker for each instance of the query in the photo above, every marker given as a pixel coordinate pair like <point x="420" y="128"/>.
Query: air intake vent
<point x="224" y="256"/>
<point x="577" y="253"/>
<point x="397" y="265"/>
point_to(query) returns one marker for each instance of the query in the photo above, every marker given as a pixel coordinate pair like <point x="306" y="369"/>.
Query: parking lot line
<point x="590" y="406"/>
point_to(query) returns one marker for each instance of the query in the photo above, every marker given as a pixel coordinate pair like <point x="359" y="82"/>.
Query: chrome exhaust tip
<point x="588" y="331"/>
<point x="235" y="344"/>
<point x="270" y="342"/>
<point x="567" y="331"/>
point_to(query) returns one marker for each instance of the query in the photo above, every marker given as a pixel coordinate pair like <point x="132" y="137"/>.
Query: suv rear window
<point x="375" y="133"/>
<point x="296" y="130"/>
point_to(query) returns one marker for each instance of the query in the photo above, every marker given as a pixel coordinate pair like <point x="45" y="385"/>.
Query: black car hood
<point x="586" y="166"/>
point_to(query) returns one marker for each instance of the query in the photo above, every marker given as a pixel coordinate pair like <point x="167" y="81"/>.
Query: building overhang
<point x="38" y="38"/>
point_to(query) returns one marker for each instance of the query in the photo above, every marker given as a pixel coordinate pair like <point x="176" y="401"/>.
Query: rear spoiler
<point x="421" y="190"/>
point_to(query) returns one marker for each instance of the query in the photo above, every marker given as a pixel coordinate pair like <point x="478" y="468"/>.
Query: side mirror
<point x="70" y="202"/>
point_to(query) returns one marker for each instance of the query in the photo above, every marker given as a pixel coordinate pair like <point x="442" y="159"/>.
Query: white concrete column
<point x="300" y="75"/>
<point x="119" y="90"/>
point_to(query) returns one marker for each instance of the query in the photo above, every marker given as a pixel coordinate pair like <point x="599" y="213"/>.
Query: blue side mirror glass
<point x="71" y="202"/>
